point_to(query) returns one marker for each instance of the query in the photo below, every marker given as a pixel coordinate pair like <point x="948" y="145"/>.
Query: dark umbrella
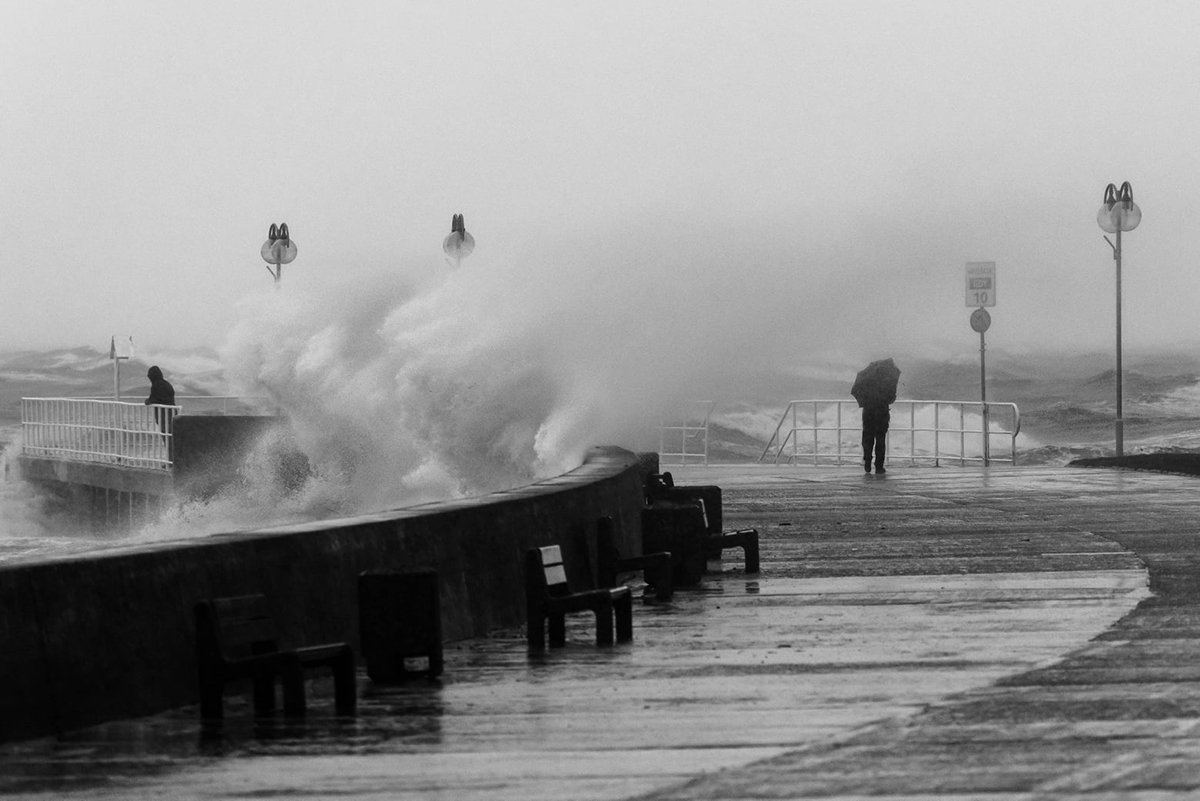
<point x="875" y="384"/>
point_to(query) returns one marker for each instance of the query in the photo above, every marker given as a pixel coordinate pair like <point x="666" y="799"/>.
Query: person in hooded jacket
<point x="161" y="394"/>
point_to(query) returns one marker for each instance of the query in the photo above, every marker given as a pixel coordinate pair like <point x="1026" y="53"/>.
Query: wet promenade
<point x="950" y="633"/>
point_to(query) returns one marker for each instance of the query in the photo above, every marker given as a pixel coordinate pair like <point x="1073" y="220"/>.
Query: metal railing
<point x="106" y="432"/>
<point x="207" y="405"/>
<point x="691" y="433"/>
<point x="920" y="431"/>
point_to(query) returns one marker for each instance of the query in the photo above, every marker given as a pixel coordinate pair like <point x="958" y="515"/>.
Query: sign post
<point x="981" y="321"/>
<point x="119" y="348"/>
<point x="981" y="292"/>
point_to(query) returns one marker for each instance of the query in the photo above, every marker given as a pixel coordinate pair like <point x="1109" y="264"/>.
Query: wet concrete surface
<point x="948" y="633"/>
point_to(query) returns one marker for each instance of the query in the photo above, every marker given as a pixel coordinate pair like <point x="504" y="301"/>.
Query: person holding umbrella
<point x="875" y="390"/>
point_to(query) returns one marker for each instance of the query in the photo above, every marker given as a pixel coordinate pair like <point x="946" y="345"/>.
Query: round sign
<point x="458" y="245"/>
<point x="980" y="320"/>
<point x="281" y="251"/>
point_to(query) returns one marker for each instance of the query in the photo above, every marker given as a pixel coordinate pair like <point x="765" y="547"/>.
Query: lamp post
<point x="1118" y="213"/>
<point x="459" y="244"/>
<point x="279" y="249"/>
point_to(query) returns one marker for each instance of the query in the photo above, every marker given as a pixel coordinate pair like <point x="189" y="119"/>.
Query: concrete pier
<point x="206" y="453"/>
<point x="953" y="633"/>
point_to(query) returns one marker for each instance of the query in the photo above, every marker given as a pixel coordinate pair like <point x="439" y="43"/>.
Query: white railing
<point x="209" y="405"/>
<point x="920" y="431"/>
<point x="106" y="432"/>
<point x="691" y="434"/>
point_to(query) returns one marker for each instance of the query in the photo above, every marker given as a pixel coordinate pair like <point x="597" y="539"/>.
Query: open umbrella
<point x="875" y="384"/>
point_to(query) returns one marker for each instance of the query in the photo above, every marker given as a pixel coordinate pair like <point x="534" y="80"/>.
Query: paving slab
<point x="936" y="632"/>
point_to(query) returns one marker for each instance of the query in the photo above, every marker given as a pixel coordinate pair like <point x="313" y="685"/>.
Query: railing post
<point x="962" y="434"/>
<point x="986" y="434"/>
<point x="1012" y="441"/>
<point x="912" y="432"/>
<point x="937" y="435"/>
<point x="838" y="433"/>
<point x="793" y="435"/>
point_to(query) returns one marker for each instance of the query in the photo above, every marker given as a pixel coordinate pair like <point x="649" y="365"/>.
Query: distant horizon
<point x="201" y="360"/>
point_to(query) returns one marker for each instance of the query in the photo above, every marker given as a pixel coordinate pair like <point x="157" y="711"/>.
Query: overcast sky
<point x="808" y="175"/>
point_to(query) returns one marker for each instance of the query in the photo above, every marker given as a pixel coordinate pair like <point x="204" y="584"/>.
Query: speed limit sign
<point x="981" y="283"/>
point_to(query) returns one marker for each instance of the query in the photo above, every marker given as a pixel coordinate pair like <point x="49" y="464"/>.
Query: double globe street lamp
<point x="279" y="249"/>
<point x="1118" y="213"/>
<point x="459" y="244"/>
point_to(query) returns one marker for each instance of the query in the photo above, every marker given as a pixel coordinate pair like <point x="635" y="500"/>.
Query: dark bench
<point x="236" y="638"/>
<point x="679" y="529"/>
<point x="661" y="489"/>
<point x="744" y="538"/>
<point x="548" y="598"/>
<point x="655" y="567"/>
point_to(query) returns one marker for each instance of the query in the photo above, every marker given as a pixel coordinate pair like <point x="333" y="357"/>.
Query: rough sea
<point x="460" y="444"/>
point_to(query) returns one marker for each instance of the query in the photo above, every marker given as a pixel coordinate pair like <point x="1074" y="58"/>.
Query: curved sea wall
<point x="89" y="639"/>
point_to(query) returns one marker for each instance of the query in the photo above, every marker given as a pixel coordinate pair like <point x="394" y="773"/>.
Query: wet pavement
<point x="933" y="633"/>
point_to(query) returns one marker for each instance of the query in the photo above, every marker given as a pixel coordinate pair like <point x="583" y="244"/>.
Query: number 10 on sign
<point x="981" y="283"/>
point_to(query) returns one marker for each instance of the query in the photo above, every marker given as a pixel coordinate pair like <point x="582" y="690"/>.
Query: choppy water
<point x="388" y="425"/>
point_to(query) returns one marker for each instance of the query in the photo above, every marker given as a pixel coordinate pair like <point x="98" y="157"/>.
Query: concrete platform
<point x="933" y="633"/>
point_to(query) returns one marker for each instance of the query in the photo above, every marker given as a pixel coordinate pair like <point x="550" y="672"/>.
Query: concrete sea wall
<point x="89" y="639"/>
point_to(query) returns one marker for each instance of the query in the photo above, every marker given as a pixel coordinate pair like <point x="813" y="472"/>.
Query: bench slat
<point x="556" y="575"/>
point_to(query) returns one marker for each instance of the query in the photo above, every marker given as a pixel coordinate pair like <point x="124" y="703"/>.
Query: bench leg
<point x="535" y="622"/>
<point x="212" y="702"/>
<point x="264" y="695"/>
<point x="535" y="632"/>
<point x="558" y="629"/>
<point x="623" y="611"/>
<point x="750" y="548"/>
<point x="604" y="625"/>
<point x="293" y="691"/>
<point x="345" y="685"/>
<point x="660" y="578"/>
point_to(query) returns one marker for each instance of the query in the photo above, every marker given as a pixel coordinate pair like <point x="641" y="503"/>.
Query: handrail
<point x="911" y="420"/>
<point x="202" y="404"/>
<point x="691" y="425"/>
<point x="107" y="432"/>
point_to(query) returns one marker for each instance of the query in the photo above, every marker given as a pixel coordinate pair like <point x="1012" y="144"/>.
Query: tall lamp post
<point x="1118" y="213"/>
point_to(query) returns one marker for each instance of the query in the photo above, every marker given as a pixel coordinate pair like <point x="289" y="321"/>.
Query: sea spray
<point x="400" y="392"/>
<point x="35" y="522"/>
<point x="22" y="510"/>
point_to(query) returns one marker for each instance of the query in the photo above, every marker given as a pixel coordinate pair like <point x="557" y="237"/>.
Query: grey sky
<point x="814" y="175"/>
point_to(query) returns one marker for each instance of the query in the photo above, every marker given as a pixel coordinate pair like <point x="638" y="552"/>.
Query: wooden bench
<point x="548" y="598"/>
<point x="655" y="567"/>
<point x="744" y="538"/>
<point x="662" y="489"/>
<point x="236" y="638"/>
